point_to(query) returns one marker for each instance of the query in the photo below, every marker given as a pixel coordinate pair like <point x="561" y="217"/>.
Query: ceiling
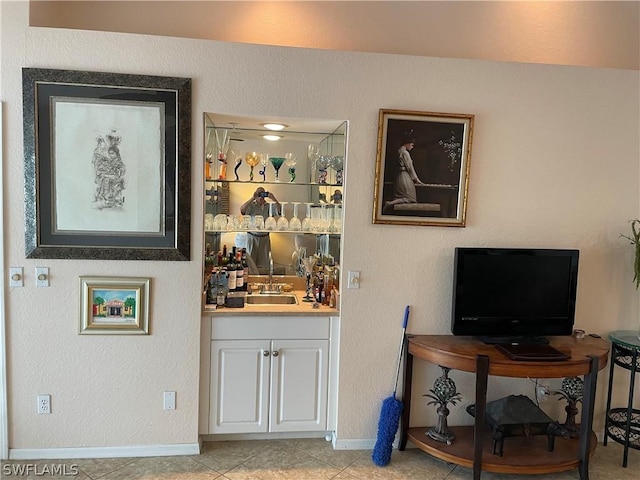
<point x="580" y="33"/>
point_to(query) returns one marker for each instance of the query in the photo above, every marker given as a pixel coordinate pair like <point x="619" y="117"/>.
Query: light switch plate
<point x="353" y="280"/>
<point x="16" y="277"/>
<point x="42" y="276"/>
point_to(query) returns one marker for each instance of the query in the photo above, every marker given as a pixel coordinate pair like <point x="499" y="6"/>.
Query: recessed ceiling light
<point x="274" y="126"/>
<point x="272" y="138"/>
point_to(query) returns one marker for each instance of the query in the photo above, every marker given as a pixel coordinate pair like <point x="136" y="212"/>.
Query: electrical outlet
<point x="44" y="404"/>
<point x="169" y="399"/>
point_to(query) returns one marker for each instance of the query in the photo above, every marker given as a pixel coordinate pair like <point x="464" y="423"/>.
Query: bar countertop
<point x="300" y="309"/>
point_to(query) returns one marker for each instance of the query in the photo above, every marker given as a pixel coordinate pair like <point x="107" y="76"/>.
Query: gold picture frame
<point x="114" y="305"/>
<point x="422" y="168"/>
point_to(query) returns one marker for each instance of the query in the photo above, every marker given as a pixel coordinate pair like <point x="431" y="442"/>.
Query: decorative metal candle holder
<point x="571" y="391"/>
<point x="443" y="393"/>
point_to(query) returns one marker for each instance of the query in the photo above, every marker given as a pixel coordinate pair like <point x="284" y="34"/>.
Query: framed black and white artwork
<point x="107" y="165"/>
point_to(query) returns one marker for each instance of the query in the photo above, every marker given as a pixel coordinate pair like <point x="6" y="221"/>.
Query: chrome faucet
<point x="270" y="272"/>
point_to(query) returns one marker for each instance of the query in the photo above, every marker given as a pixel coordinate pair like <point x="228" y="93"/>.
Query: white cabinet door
<point x="299" y="375"/>
<point x="239" y="393"/>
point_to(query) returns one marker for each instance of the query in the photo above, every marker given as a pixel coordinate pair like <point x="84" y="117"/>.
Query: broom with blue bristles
<point x="390" y="413"/>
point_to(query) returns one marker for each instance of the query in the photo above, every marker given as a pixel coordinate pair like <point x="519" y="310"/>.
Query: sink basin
<point x="266" y="299"/>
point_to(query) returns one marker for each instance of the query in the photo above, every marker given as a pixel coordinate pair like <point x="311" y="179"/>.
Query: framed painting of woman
<point x="422" y="168"/>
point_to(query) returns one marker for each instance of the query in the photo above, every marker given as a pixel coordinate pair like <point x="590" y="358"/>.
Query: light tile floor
<point x="304" y="459"/>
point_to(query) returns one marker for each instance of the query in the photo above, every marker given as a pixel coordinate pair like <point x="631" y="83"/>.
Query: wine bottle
<point x="245" y="268"/>
<point x="239" y="272"/>
<point x="231" y="273"/>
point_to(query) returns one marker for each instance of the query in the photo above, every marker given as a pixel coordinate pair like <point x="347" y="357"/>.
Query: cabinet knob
<point x="265" y="353"/>
<point x="275" y="353"/>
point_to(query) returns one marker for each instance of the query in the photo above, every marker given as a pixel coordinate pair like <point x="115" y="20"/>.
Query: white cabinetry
<point x="268" y="386"/>
<point x="268" y="374"/>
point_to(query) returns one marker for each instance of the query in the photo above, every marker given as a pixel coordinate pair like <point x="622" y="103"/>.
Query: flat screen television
<point x="514" y="295"/>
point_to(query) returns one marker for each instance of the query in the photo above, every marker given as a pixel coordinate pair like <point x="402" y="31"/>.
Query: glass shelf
<point x="297" y="232"/>
<point x="287" y="184"/>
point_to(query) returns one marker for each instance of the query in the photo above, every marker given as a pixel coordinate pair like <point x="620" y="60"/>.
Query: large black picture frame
<point x="107" y="165"/>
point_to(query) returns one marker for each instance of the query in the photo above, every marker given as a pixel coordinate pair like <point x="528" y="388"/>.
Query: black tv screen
<point x="514" y="292"/>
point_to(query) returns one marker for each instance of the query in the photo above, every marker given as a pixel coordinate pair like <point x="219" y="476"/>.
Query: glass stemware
<point x="290" y="160"/>
<point x="282" y="224"/>
<point x="307" y="225"/>
<point x="222" y="145"/>
<point x="264" y="158"/>
<point x="277" y="163"/>
<point x="237" y="158"/>
<point x="308" y="263"/>
<point x="252" y="159"/>
<point x="294" y="223"/>
<point x="325" y="218"/>
<point x="336" y="222"/>
<point x="337" y="163"/>
<point x="270" y="222"/>
<point x="313" y="152"/>
<point x="323" y="163"/>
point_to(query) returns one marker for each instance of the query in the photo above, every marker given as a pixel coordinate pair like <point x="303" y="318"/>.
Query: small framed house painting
<point x="422" y="168"/>
<point x="114" y="305"/>
<point x="107" y="165"/>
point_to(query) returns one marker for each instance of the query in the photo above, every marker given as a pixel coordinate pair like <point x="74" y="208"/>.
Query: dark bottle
<point x="245" y="269"/>
<point x="209" y="260"/>
<point x="224" y="257"/>
<point x="231" y="273"/>
<point x="239" y="272"/>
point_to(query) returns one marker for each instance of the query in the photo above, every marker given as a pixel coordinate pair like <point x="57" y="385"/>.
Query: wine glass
<point x="323" y="163"/>
<point x="337" y="163"/>
<point x="313" y="152"/>
<point x="306" y="223"/>
<point x="277" y="163"/>
<point x="270" y="222"/>
<point x="237" y="158"/>
<point x="252" y="159"/>
<point x="325" y="218"/>
<point x="290" y="160"/>
<point x="222" y="145"/>
<point x="308" y="263"/>
<point x="336" y="221"/>
<point x="264" y="158"/>
<point x="294" y="223"/>
<point x="282" y="224"/>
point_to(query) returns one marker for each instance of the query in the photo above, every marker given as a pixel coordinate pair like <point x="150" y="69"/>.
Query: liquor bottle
<point x="208" y="260"/>
<point x="328" y="286"/>
<point x="231" y="274"/>
<point x="221" y="295"/>
<point x="245" y="268"/>
<point x="224" y="254"/>
<point x="212" y="288"/>
<point x="239" y="272"/>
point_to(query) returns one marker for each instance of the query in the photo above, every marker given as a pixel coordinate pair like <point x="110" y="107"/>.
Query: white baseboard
<point x="223" y="437"/>
<point x="105" y="452"/>
<point x="354" y="444"/>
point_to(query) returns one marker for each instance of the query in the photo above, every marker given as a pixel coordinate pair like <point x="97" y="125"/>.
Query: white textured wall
<point x="554" y="164"/>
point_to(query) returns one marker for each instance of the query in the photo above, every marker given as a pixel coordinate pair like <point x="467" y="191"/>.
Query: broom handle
<point x="404" y="330"/>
